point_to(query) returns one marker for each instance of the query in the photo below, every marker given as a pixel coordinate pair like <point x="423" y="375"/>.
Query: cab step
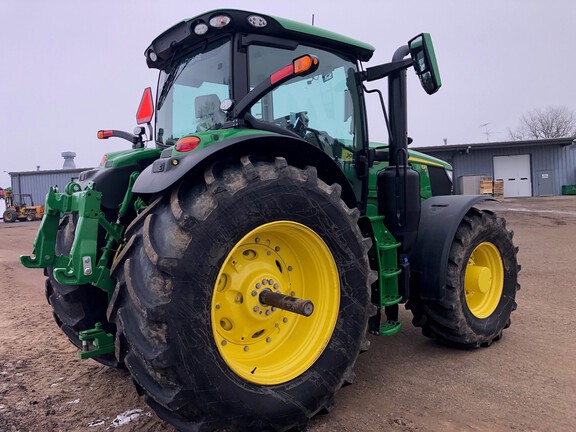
<point x="389" y="328"/>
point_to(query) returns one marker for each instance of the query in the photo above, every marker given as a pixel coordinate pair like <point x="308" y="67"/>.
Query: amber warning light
<point x="299" y="66"/>
<point x="105" y="134"/>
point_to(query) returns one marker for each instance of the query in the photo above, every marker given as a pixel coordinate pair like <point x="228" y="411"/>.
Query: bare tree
<point x="553" y="122"/>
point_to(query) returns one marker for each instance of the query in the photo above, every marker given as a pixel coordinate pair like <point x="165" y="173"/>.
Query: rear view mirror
<point x="424" y="62"/>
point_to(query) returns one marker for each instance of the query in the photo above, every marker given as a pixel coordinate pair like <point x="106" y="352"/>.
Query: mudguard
<point x="169" y="169"/>
<point x="439" y="220"/>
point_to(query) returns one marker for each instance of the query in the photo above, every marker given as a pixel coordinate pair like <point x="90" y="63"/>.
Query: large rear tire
<point x="202" y="348"/>
<point x="481" y="285"/>
<point x="76" y="307"/>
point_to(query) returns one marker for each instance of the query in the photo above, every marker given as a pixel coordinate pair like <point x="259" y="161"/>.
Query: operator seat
<point x="208" y="112"/>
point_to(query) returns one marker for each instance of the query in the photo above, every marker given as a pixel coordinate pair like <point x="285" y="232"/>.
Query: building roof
<point x="58" y="171"/>
<point x="506" y="144"/>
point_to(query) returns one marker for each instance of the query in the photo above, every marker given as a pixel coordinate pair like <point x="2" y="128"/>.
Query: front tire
<point x="10" y="216"/>
<point x="481" y="285"/>
<point x="204" y="351"/>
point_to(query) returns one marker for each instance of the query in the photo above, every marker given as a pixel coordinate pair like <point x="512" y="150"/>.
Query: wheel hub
<point x="263" y="343"/>
<point x="484" y="280"/>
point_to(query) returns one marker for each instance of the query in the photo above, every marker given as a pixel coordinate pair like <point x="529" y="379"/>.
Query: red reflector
<point x="104" y="134"/>
<point x="282" y="73"/>
<point x="146" y="108"/>
<point x="104" y="159"/>
<point x="187" y="143"/>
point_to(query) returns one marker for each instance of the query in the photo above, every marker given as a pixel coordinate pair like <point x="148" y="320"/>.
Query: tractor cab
<point x="225" y="72"/>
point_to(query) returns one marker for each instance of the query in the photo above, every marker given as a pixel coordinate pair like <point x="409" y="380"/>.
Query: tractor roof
<point x="183" y="35"/>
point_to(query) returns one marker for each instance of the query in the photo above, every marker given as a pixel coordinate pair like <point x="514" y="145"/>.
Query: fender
<point x="169" y="169"/>
<point x="440" y="217"/>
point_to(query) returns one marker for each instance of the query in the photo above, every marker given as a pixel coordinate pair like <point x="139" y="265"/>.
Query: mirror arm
<point x="384" y="70"/>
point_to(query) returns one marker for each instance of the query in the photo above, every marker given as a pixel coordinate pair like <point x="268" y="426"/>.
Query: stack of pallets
<point x="486" y="186"/>
<point x="498" y="189"/>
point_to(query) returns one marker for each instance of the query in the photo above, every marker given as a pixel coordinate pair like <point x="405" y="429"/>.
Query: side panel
<point x="439" y="220"/>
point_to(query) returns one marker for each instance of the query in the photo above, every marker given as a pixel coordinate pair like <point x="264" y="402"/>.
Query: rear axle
<point x="285" y="302"/>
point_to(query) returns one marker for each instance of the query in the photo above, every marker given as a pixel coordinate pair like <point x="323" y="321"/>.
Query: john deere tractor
<point x="236" y="264"/>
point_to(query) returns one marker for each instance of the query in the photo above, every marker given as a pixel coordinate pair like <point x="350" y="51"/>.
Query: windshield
<point x="191" y="91"/>
<point x="318" y="107"/>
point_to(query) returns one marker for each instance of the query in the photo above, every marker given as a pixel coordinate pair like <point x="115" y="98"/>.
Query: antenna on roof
<point x="312" y="19"/>
<point x="486" y="132"/>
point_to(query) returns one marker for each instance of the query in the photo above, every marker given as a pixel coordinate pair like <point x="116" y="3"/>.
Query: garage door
<point x="515" y="171"/>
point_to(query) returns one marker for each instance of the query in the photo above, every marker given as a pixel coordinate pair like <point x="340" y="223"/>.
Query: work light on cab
<point x="219" y="21"/>
<point x="257" y="21"/>
<point x="200" y="29"/>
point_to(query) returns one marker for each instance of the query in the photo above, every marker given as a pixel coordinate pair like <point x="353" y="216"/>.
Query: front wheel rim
<point x="484" y="280"/>
<point x="266" y="345"/>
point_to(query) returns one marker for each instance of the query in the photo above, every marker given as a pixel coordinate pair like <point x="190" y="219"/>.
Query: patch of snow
<point x="126" y="417"/>
<point x="75" y="401"/>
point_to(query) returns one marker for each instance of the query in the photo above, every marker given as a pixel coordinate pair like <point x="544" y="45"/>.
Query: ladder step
<point x="388" y="273"/>
<point x="388" y="246"/>
<point x="389" y="328"/>
<point x="390" y="300"/>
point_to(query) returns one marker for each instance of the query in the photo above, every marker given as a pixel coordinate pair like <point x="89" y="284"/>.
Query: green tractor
<point x="236" y="265"/>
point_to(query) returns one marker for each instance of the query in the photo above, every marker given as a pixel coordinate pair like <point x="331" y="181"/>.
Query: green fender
<point x="169" y="169"/>
<point x="439" y="220"/>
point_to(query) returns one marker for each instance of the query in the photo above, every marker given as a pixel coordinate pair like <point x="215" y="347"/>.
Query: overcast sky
<point x="70" y="68"/>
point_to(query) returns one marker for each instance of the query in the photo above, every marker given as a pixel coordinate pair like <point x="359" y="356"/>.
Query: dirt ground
<point x="525" y="382"/>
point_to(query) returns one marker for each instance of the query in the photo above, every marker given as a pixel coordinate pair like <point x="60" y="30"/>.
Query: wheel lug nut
<point x="255" y="309"/>
<point x="217" y="306"/>
<point x="270" y="281"/>
<point x="257" y="239"/>
<point x="276" y="286"/>
<point x="277" y="248"/>
<point x="289" y="268"/>
<point x="224" y="343"/>
<point x="267" y="312"/>
<point x="273" y="309"/>
<point x="284" y="320"/>
<point x="264" y="281"/>
<point x="292" y="293"/>
<point x="268" y="253"/>
<point x="268" y="340"/>
<point x="246" y="348"/>
<point x="258" y="285"/>
<point x="254" y="293"/>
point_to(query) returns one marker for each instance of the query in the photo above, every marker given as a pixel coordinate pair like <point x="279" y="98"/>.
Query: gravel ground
<point x="525" y="382"/>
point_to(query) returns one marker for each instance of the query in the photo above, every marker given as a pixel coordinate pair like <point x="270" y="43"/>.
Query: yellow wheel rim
<point x="267" y="345"/>
<point x="484" y="280"/>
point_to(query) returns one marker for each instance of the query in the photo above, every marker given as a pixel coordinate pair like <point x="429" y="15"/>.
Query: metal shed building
<point x="37" y="183"/>
<point x="528" y="168"/>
